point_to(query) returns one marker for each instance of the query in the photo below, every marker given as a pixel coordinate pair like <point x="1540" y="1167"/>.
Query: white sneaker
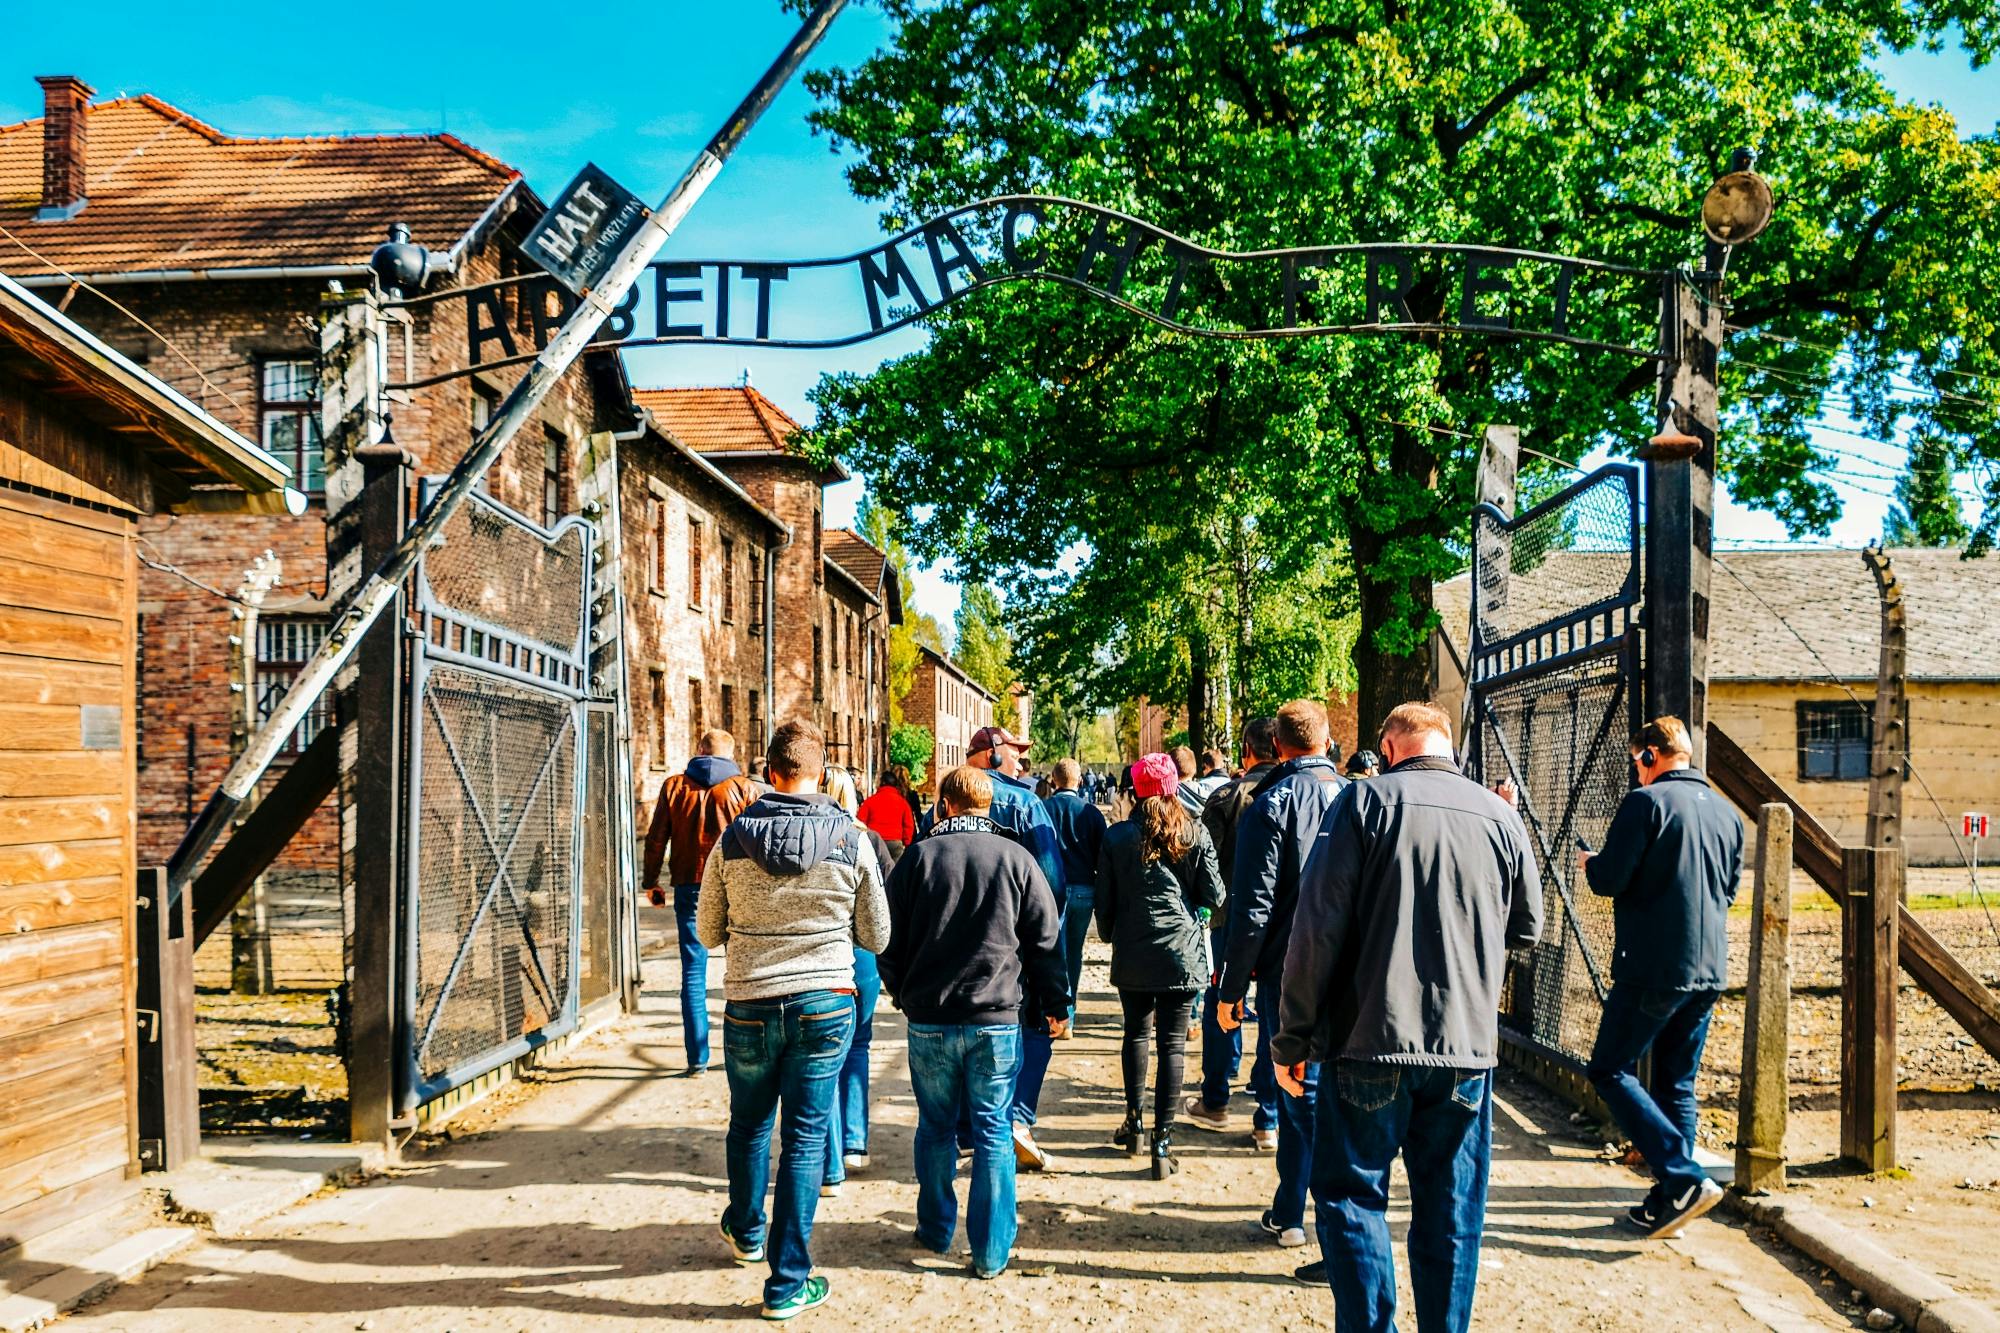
<point x="854" y="1161"/>
<point x="832" y="1191"/>
<point x="1028" y="1155"/>
<point x="1677" y="1211"/>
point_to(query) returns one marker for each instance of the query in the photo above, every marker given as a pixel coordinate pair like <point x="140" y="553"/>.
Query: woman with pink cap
<point x="1157" y="885"/>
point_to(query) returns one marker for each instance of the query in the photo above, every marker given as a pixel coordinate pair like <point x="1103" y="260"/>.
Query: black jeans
<point x="1169" y="1011"/>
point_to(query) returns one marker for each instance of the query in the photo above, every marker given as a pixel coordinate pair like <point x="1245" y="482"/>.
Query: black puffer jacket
<point x="1146" y="910"/>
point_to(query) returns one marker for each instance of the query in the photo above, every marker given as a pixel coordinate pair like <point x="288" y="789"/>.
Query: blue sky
<point x="637" y="89"/>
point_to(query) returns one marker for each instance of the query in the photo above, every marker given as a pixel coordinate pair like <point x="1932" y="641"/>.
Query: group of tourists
<point x="1360" y="920"/>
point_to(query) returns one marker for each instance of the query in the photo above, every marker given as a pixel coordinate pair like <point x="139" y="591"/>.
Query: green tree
<point x="1926" y="513"/>
<point x="1036" y="419"/>
<point x="912" y="746"/>
<point x="982" y="646"/>
<point x="879" y="525"/>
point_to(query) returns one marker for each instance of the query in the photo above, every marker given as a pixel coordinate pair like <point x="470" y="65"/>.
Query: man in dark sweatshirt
<point x="1670" y="866"/>
<point x="1419" y="883"/>
<point x="692" y="810"/>
<point x="975" y="953"/>
<point x="1272" y="841"/>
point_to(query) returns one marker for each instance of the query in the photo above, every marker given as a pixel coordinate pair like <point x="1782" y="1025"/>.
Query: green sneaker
<point x="741" y="1253"/>
<point x="811" y="1294"/>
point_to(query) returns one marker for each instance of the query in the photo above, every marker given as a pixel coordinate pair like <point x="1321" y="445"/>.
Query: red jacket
<point x="889" y="814"/>
<point x="693" y="810"/>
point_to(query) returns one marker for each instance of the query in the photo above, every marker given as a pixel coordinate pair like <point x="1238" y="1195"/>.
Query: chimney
<point x="65" y="145"/>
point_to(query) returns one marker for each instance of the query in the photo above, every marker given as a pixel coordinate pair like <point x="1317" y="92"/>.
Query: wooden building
<point x="89" y="443"/>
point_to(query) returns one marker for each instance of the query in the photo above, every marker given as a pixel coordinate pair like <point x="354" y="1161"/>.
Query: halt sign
<point x="1977" y="825"/>
<point x="584" y="229"/>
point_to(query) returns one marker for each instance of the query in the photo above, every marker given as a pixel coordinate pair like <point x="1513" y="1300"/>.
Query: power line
<point x="1843" y="351"/>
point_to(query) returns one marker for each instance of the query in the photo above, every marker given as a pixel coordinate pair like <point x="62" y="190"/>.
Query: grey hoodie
<point x="791" y="889"/>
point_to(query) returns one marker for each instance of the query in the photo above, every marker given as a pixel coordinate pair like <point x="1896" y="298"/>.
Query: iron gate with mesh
<point x="493" y="893"/>
<point x="1554" y="682"/>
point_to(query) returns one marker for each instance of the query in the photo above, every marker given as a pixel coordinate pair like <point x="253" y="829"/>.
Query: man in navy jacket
<point x="1273" y="839"/>
<point x="1670" y="866"/>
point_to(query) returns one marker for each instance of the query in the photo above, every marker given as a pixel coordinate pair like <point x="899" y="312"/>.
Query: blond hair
<point x="1415" y="718"/>
<point x="966" y="789"/>
<point x="1666" y="736"/>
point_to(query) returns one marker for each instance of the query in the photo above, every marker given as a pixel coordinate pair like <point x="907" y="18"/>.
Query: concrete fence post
<point x="1761" y="1100"/>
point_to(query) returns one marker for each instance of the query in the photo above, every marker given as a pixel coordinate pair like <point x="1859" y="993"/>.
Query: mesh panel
<point x="491" y="567"/>
<point x="599" y="870"/>
<point x="491" y="947"/>
<point x="1568" y="557"/>
<point x="1561" y="738"/>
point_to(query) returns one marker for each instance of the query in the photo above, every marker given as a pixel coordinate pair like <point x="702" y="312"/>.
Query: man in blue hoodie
<point x="1273" y="839"/>
<point x="692" y="810"/>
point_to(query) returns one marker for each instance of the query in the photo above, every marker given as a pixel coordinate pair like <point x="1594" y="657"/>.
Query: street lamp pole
<point x="379" y="591"/>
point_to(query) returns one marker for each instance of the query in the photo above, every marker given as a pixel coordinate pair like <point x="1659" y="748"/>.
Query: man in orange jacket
<point x="692" y="811"/>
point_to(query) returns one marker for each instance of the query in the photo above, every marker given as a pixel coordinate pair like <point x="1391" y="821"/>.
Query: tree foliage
<point x="912" y="746"/>
<point x="1035" y="420"/>
<point x="982" y="645"/>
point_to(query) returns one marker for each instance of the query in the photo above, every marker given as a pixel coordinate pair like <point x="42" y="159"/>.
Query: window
<point x="819" y="550"/>
<point x="283" y="645"/>
<point x="756" y="737"/>
<point x="288" y="419"/>
<point x="656" y="545"/>
<point x="1834" y="741"/>
<point x="729" y="580"/>
<point x="485" y="407"/>
<point x="697" y="720"/>
<point x="819" y="663"/>
<point x="729" y="709"/>
<point x="756" y="591"/>
<point x="694" y="564"/>
<point x="554" y="455"/>
<point x="659" y="747"/>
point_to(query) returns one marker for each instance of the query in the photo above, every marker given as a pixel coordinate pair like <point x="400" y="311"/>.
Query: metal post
<point x="1889" y="743"/>
<point x="384" y="584"/>
<point x="1761" y="1100"/>
<point x="1868" y="1007"/>
<point x="169" y="1097"/>
<point x="373" y="812"/>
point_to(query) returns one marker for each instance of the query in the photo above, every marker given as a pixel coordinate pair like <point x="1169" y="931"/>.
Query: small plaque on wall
<point x="103" y="726"/>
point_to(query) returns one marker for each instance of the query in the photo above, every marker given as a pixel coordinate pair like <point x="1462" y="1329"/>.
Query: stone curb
<point x="62" y="1292"/>
<point x="1914" y="1296"/>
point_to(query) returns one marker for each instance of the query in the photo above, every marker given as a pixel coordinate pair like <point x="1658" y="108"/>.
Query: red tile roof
<point x="855" y="554"/>
<point x="733" y="419"/>
<point x="167" y="192"/>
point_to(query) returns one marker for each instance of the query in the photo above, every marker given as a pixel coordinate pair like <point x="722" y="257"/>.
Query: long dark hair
<point x="1166" y="828"/>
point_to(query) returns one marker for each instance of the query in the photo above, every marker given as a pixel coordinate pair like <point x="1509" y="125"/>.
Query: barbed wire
<point x="1845" y="688"/>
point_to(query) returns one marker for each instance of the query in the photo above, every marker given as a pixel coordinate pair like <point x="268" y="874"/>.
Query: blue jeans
<point x="1078" y="902"/>
<point x="1441" y="1121"/>
<point x="1661" y="1120"/>
<point x="784" y="1050"/>
<point x="849" y="1131"/>
<point x="1295" y="1122"/>
<point x="694" y="978"/>
<point x="966" y="1070"/>
<point x="1036" y="1048"/>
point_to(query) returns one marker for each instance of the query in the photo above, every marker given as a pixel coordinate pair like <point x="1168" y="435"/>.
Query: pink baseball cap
<point x="1156" y="775"/>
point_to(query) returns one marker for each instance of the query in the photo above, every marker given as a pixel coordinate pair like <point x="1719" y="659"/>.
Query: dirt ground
<point x="589" y="1198"/>
<point x="270" y="1063"/>
<point x="1941" y="1208"/>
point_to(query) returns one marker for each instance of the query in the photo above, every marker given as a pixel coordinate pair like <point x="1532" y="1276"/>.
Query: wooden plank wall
<point x="68" y="580"/>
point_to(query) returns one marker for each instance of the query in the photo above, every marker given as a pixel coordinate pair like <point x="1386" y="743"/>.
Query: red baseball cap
<point x="987" y="738"/>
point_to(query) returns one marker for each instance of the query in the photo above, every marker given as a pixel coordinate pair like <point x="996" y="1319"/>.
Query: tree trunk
<point x="1197" y="700"/>
<point x="1388" y="679"/>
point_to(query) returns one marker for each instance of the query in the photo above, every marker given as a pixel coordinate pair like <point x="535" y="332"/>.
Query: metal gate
<point x="1554" y="685"/>
<point x="492" y="897"/>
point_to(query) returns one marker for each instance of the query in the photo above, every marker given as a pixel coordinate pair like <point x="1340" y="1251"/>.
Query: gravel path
<point x="588" y="1198"/>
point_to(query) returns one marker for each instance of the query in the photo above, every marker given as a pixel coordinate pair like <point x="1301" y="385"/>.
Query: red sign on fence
<point x="1977" y="825"/>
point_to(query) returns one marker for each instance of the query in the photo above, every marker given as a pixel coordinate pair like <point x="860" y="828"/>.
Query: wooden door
<point x="67" y="1033"/>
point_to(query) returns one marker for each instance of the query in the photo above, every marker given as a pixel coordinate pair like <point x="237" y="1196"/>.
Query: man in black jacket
<point x="1222" y="1052"/>
<point x="975" y="952"/>
<point x="1419" y="883"/>
<point x="1272" y="841"/>
<point x="1670" y="866"/>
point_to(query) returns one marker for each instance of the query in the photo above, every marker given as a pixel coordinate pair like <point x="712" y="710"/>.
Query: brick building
<point x="948" y="702"/>
<point x="695" y="636"/>
<point x="833" y="595"/>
